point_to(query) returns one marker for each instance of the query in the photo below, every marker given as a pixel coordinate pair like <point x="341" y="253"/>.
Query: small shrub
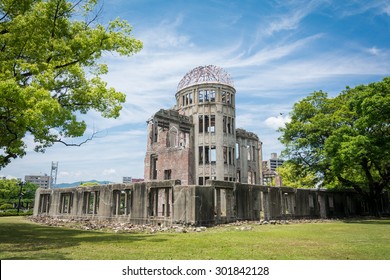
<point x="14" y="212"/>
<point x="6" y="206"/>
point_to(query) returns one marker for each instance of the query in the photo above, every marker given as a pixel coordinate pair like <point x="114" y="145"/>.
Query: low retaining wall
<point x="168" y="202"/>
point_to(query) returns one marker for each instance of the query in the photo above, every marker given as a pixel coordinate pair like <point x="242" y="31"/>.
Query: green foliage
<point x="6" y="206"/>
<point x="10" y="191"/>
<point x="14" y="212"/>
<point x="49" y="71"/>
<point x="344" y="140"/>
<point x="89" y="184"/>
<point x="295" y="176"/>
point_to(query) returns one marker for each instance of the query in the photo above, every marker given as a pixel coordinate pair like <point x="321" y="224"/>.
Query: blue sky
<point x="276" y="52"/>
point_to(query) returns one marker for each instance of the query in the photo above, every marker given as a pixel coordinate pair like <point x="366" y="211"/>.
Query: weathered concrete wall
<point x="306" y="203"/>
<point x="168" y="202"/>
<point x="204" y="205"/>
<point x="184" y="204"/>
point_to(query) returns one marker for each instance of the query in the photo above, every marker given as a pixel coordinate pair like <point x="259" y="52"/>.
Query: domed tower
<point x="207" y="95"/>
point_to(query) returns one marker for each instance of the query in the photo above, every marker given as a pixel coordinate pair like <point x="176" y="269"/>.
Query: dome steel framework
<point x="205" y="74"/>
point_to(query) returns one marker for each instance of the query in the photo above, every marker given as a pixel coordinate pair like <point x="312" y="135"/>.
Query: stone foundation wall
<point x="168" y="202"/>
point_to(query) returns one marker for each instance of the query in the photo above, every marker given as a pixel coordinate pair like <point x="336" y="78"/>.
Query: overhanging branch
<point x="78" y="144"/>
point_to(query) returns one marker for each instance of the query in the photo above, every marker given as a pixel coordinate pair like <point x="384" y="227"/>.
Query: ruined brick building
<point x="197" y="140"/>
<point x="199" y="169"/>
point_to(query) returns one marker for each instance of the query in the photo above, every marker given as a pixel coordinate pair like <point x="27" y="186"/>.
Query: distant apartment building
<point x="127" y="180"/>
<point x="137" y="180"/>
<point x="130" y="180"/>
<point x="270" y="176"/>
<point x="43" y="181"/>
<point x="274" y="162"/>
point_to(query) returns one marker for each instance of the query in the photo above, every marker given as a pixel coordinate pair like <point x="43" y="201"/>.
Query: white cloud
<point x="353" y="8"/>
<point x="8" y="177"/>
<point x="109" y="172"/>
<point x="374" y="51"/>
<point x="270" y="26"/>
<point x="386" y="9"/>
<point x="165" y="35"/>
<point x="286" y="22"/>
<point x="277" y="122"/>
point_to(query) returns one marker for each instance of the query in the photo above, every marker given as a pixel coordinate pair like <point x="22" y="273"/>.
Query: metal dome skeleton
<point x="205" y="74"/>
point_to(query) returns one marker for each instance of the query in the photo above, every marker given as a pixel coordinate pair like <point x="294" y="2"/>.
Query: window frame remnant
<point x="66" y="202"/>
<point x="160" y="201"/>
<point x="153" y="166"/>
<point x="91" y="202"/>
<point x="44" y="203"/>
<point x="122" y="202"/>
<point x="167" y="174"/>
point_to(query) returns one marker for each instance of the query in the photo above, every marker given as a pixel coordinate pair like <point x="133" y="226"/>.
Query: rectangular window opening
<point x="229" y="127"/>
<point x="211" y="128"/>
<point x="206" y="124"/>
<point x="200" y="96"/>
<point x="122" y="202"/>
<point x="200" y="123"/>
<point x="155" y="132"/>
<point x="228" y="98"/>
<point x="201" y="157"/>
<point x="213" y="154"/>
<point x="206" y="96"/>
<point x="66" y="202"/>
<point x="153" y="167"/>
<point x="44" y="203"/>
<point x="207" y="154"/>
<point x="167" y="174"/>
<point x="212" y="95"/>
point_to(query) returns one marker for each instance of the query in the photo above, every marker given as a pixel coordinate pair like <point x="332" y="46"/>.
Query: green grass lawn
<point x="357" y="240"/>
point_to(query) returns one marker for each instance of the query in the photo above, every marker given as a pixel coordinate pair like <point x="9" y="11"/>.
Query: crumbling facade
<point x="168" y="202"/>
<point x="198" y="140"/>
<point x="170" y="148"/>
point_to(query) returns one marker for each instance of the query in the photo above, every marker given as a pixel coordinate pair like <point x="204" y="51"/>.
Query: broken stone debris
<point x="87" y="224"/>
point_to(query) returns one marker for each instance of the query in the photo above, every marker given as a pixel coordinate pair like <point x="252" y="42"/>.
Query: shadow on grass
<point x="24" y="237"/>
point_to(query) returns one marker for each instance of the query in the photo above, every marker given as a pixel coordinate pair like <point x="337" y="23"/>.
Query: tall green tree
<point x="296" y="176"/>
<point x="50" y="72"/>
<point x="345" y="140"/>
<point x="11" y="189"/>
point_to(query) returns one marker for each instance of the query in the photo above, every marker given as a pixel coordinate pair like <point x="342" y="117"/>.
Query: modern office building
<point x="43" y="181"/>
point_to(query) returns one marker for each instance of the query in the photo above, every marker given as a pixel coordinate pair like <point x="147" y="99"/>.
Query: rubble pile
<point x="117" y="227"/>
